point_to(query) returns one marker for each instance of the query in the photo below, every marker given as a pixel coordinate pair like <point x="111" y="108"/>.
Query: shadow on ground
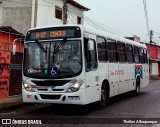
<point x="67" y="110"/>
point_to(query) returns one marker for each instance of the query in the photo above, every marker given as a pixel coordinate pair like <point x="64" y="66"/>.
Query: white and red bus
<point x="72" y="64"/>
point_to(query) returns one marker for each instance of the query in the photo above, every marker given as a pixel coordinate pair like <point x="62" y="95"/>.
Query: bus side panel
<point x="113" y="79"/>
<point x="103" y="74"/>
<point x="130" y="71"/>
<point x="123" y="78"/>
<point x="145" y="77"/>
<point x="91" y="90"/>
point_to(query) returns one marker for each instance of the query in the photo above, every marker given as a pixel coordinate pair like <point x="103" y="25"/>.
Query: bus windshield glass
<point x="54" y="59"/>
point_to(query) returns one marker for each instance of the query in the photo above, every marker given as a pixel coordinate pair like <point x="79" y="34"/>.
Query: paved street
<point x="146" y="105"/>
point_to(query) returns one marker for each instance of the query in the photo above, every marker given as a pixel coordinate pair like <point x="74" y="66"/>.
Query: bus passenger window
<point x="90" y="54"/>
<point x="102" y="49"/>
<point x="136" y="54"/>
<point x="112" y="51"/>
<point x="121" y="51"/>
<point x="141" y="55"/>
<point x="129" y="53"/>
<point x="145" y="56"/>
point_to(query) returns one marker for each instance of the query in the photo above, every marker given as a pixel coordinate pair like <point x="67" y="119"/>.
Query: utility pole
<point x="34" y="13"/>
<point x="151" y="36"/>
<point x="65" y="11"/>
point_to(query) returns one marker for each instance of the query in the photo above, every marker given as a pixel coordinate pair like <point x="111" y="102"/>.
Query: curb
<point x="154" y="78"/>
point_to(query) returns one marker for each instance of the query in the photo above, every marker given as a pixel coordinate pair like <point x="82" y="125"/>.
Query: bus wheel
<point x="137" y="89"/>
<point x="104" y="96"/>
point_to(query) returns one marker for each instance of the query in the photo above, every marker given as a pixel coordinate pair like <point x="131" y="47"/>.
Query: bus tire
<point x="137" y="89"/>
<point x="104" y="96"/>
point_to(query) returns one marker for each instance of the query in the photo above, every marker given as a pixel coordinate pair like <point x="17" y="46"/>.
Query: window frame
<point x="130" y="53"/>
<point x="58" y="13"/>
<point x="87" y="55"/>
<point x="145" y="56"/>
<point x="103" y="50"/>
<point x="141" y="55"/>
<point x="79" y="20"/>
<point x="120" y="52"/>
<point x="136" y="55"/>
<point x="113" y="51"/>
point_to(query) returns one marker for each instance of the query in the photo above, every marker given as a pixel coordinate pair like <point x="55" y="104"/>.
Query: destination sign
<point x="53" y="33"/>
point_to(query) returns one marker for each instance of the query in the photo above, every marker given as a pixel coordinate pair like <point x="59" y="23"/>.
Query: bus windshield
<point x="53" y="59"/>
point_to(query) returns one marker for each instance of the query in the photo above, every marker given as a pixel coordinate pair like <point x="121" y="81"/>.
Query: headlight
<point x="75" y="87"/>
<point x="28" y="87"/>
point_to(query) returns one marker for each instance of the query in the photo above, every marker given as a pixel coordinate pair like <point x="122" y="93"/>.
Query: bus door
<point x="113" y="67"/>
<point x="92" y="92"/>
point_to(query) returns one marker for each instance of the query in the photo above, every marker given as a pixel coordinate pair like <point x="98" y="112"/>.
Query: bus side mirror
<point x="14" y="50"/>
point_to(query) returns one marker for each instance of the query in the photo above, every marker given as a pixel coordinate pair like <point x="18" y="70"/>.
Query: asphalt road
<point x="124" y="107"/>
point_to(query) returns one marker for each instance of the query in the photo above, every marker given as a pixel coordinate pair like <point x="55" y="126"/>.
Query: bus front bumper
<point x="77" y="98"/>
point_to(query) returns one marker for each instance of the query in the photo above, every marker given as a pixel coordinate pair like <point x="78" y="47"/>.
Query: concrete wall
<point x="17" y="14"/>
<point x="46" y="13"/>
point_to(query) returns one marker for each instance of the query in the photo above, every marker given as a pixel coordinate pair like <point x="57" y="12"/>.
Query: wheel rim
<point x="103" y="95"/>
<point x="138" y="89"/>
<point x="137" y="86"/>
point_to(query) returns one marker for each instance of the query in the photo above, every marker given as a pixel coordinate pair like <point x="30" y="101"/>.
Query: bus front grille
<point x="51" y="82"/>
<point x="50" y="97"/>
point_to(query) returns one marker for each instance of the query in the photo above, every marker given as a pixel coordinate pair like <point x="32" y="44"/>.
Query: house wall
<point x="73" y="12"/>
<point x="154" y="68"/>
<point x="9" y="81"/>
<point x="154" y="53"/>
<point x="152" y="49"/>
<point x="17" y="13"/>
<point x="6" y="41"/>
<point x="158" y="53"/>
<point x="47" y="12"/>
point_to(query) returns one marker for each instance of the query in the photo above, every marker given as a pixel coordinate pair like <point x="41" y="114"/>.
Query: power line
<point x="49" y="2"/>
<point x="74" y="11"/>
<point x="156" y="32"/>
<point x="97" y="24"/>
<point x="73" y="18"/>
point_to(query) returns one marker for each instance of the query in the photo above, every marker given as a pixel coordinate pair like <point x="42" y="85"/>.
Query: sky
<point x="124" y="17"/>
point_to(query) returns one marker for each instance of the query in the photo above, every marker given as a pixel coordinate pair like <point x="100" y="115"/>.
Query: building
<point x="23" y="15"/>
<point x="154" y="54"/>
<point x="54" y="12"/>
<point x="10" y="82"/>
<point x="17" y="14"/>
<point x="16" y="17"/>
<point x="134" y="38"/>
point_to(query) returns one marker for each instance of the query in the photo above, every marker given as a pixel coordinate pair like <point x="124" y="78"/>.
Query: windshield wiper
<point x="41" y="47"/>
<point x="56" y="48"/>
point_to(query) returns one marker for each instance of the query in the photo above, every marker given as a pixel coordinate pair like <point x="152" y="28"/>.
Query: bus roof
<point x="94" y="31"/>
<point x="50" y="26"/>
<point x="105" y="34"/>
